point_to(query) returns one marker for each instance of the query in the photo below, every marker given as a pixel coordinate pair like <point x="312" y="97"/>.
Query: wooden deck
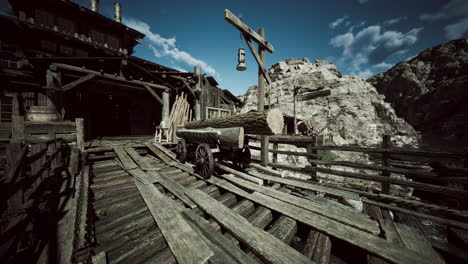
<point x="149" y="208"/>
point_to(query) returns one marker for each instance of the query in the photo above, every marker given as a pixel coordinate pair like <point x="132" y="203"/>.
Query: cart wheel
<point x="181" y="150"/>
<point x="204" y="160"/>
<point x="243" y="158"/>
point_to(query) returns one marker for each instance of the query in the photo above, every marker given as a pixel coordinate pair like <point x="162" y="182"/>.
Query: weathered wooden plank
<point x="240" y="174"/>
<point x="262" y="243"/>
<point x="344" y="216"/>
<point x="159" y="153"/>
<point x="175" y="188"/>
<point x="82" y="210"/>
<point x="317" y="247"/>
<point x="284" y="229"/>
<point x="354" y="236"/>
<point x="127" y="162"/>
<point x="137" y="158"/>
<point x="144" y="177"/>
<point x="415" y="213"/>
<point x="184" y="243"/>
<point x="224" y="250"/>
<point x="303" y="185"/>
<point x="416" y="241"/>
<point x="165" y="150"/>
<point x="35" y="127"/>
<point x="99" y="258"/>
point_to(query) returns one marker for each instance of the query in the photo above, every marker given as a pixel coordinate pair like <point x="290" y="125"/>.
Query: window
<point x="44" y="18"/>
<point x="98" y="37"/>
<point x="66" y="50"/>
<point x="213" y="112"/>
<point x="81" y="53"/>
<point x="49" y="46"/>
<point x="5" y="108"/>
<point x="113" y="42"/>
<point x="66" y="26"/>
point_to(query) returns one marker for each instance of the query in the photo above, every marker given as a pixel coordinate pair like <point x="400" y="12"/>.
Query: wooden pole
<point x="294" y="109"/>
<point x="385" y="163"/>
<point x="165" y="108"/>
<point x="198" y="93"/>
<point x="261" y="98"/>
<point x="80" y="141"/>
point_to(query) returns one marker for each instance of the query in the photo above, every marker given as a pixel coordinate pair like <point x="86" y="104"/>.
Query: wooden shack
<point x="79" y="63"/>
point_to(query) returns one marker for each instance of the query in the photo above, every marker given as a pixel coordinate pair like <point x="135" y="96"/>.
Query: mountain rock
<point x="364" y="116"/>
<point x="430" y="92"/>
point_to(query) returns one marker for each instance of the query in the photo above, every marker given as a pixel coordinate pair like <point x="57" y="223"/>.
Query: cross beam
<point x="237" y="23"/>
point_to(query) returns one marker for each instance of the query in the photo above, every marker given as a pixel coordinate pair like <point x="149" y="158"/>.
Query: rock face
<point x="430" y="92"/>
<point x="365" y="116"/>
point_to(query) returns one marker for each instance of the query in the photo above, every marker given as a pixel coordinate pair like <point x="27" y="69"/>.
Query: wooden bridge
<point x="131" y="201"/>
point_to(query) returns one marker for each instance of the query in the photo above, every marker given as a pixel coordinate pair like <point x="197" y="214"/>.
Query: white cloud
<point x="366" y="74"/>
<point x="180" y="69"/>
<point x="167" y="47"/>
<point x="382" y="66"/>
<point x="457" y="9"/>
<point x="363" y="1"/>
<point x="393" y="21"/>
<point x="337" y="22"/>
<point x="360" y="24"/>
<point x="371" y="45"/>
<point x="457" y="30"/>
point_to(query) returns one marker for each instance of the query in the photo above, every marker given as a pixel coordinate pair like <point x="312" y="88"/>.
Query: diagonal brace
<point x="78" y="82"/>
<point x="258" y="59"/>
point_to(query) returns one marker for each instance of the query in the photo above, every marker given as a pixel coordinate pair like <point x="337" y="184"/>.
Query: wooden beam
<point x="127" y="162"/>
<point x="55" y="66"/>
<point x="262" y="243"/>
<point x="303" y="185"/>
<point x="153" y="94"/>
<point x="176" y="189"/>
<point x="184" y="243"/>
<point x="237" y="23"/>
<point x="260" y="62"/>
<point x="78" y="82"/>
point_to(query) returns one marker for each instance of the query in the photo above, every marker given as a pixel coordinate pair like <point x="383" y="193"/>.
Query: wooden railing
<point x="38" y="182"/>
<point x="411" y="162"/>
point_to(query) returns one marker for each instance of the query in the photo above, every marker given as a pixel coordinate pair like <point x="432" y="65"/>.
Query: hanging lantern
<point x="241" y="59"/>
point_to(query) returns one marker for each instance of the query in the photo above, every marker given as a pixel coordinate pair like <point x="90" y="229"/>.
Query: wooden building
<point x="77" y="62"/>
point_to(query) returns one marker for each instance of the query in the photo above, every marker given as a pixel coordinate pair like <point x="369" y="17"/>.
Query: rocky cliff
<point x="430" y="92"/>
<point x="364" y="116"/>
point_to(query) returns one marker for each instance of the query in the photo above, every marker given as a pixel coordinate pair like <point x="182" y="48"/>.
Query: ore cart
<point x="202" y="147"/>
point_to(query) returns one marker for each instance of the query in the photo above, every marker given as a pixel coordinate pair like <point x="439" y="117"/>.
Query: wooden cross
<point x="249" y="35"/>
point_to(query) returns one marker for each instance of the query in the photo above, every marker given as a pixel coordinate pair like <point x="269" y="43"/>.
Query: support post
<point x="17" y="129"/>
<point x="386" y="162"/>
<point x="294" y="109"/>
<point x="275" y="155"/>
<point x="80" y="134"/>
<point x="261" y="99"/>
<point x="165" y="108"/>
<point x="198" y="93"/>
<point x="313" y="151"/>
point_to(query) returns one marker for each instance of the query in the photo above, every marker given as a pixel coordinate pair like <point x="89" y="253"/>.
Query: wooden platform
<point x="254" y="227"/>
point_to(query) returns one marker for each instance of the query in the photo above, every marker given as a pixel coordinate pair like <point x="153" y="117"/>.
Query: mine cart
<point x="203" y="146"/>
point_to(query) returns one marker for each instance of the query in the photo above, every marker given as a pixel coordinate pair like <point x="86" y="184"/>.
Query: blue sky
<point x="362" y="37"/>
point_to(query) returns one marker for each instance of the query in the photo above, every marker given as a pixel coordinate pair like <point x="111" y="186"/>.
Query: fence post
<point x="14" y="175"/>
<point x="386" y="144"/>
<point x="275" y="155"/>
<point x="80" y="133"/>
<point x="17" y="129"/>
<point x="311" y="150"/>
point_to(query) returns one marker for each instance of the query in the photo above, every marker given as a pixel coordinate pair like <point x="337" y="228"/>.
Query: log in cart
<point x="206" y="141"/>
<point x="203" y="146"/>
